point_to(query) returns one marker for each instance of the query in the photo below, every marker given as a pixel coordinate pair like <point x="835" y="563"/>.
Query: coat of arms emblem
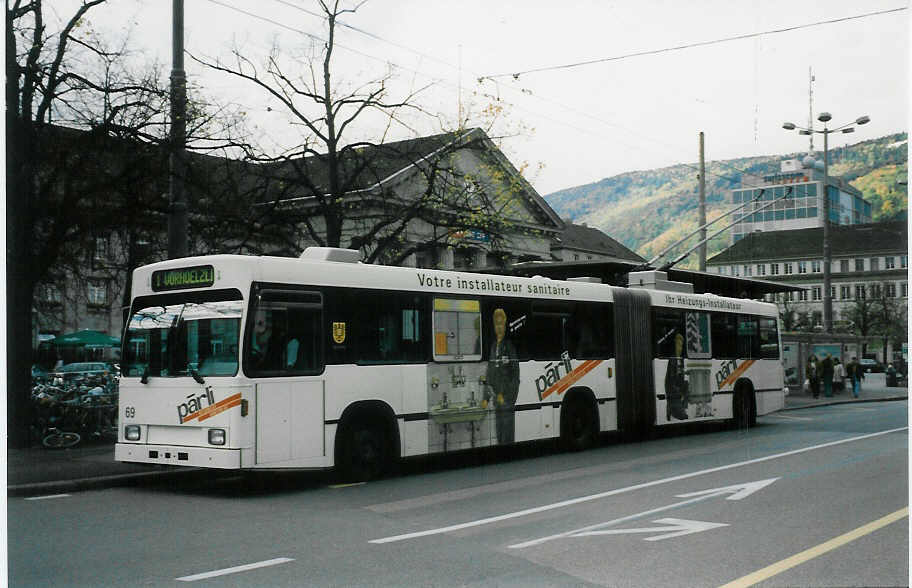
<point x="339" y="333"/>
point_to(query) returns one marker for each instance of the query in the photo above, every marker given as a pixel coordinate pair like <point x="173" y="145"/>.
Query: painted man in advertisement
<point x="503" y="378"/>
<point x="675" y="385"/>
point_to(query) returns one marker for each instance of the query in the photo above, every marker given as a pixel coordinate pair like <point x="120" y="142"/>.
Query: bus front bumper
<point x="204" y="457"/>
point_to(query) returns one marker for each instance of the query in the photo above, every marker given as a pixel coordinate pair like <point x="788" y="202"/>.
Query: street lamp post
<point x="825" y="117"/>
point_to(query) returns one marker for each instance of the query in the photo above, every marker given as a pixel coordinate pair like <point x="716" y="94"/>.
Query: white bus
<point x="243" y="362"/>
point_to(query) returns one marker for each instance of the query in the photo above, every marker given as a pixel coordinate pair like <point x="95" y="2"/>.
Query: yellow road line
<point x="809" y="554"/>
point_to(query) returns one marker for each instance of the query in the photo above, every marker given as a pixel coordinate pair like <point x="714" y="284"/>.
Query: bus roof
<point x="239" y="271"/>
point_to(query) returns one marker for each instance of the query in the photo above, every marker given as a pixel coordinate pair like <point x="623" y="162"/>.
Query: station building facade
<point x="799" y="184"/>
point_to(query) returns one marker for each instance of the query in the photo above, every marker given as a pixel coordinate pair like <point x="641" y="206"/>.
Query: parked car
<point x="870" y="366"/>
<point x="81" y="369"/>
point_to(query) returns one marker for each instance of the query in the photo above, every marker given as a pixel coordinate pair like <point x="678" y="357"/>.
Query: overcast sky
<point x="581" y="123"/>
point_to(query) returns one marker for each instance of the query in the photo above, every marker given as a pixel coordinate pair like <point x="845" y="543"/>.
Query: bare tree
<point x="330" y="191"/>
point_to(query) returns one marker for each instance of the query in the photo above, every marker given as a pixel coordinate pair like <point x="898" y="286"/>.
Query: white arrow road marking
<point x="615" y="492"/>
<point x="737" y="491"/>
<point x="677" y="528"/>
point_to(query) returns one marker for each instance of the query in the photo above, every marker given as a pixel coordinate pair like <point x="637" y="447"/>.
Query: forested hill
<point x="649" y="210"/>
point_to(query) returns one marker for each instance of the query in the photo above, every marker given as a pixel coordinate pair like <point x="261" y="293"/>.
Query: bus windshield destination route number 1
<point x="242" y="362"/>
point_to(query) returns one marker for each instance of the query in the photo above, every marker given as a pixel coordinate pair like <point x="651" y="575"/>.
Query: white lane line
<point x="581" y="499"/>
<point x="236" y="569"/>
<point x="787" y="417"/>
<point x="48" y="496"/>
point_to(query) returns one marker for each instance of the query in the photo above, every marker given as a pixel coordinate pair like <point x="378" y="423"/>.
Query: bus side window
<point x="457" y="330"/>
<point x="724" y="335"/>
<point x="391" y="327"/>
<point x="592" y="331"/>
<point x="748" y="342"/>
<point x="285" y="334"/>
<point x="667" y="325"/>
<point x="768" y="338"/>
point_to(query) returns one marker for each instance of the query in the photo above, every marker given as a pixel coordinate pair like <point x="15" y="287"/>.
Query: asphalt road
<point x="816" y="497"/>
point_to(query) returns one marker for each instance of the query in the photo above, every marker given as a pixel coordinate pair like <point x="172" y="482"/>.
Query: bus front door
<point x="289" y="420"/>
<point x="633" y="342"/>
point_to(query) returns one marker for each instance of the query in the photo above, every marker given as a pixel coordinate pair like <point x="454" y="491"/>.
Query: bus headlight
<point x="131" y="432"/>
<point x="216" y="436"/>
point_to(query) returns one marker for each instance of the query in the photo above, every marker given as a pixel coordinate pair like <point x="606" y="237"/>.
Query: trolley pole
<point x="177" y="211"/>
<point x="702" y="219"/>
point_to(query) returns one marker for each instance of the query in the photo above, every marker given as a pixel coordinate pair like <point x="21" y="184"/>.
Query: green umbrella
<point x="87" y="338"/>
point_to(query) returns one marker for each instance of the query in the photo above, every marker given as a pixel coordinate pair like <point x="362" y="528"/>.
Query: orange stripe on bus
<point x="737" y="373"/>
<point x="581" y="370"/>
<point x="216" y="408"/>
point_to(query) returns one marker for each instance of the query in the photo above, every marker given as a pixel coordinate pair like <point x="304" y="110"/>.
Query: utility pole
<point x="702" y="219"/>
<point x="811" y="110"/>
<point x="177" y="211"/>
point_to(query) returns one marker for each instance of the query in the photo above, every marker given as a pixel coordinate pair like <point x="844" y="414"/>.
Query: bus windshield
<point x="170" y="337"/>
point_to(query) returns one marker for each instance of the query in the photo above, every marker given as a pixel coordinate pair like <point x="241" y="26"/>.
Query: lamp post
<point x="825" y="117"/>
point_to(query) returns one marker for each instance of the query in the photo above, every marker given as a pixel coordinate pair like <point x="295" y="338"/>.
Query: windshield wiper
<point x="196" y="375"/>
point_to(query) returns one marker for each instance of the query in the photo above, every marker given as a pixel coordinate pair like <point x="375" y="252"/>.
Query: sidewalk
<point x="39" y="471"/>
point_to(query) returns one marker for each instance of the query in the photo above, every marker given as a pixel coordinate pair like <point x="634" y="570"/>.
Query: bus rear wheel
<point x="364" y="453"/>
<point x="744" y="407"/>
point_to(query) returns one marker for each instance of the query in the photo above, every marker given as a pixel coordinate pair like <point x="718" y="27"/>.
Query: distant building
<point x="868" y="261"/>
<point x="802" y="207"/>
<point x="583" y="243"/>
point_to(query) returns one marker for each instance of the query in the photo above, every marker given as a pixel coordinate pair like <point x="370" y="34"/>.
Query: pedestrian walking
<point x="826" y="374"/>
<point x="812" y="376"/>
<point x="839" y="375"/>
<point x="855" y="375"/>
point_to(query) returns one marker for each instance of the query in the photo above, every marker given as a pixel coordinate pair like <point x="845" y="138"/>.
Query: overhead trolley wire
<point x="516" y="75"/>
<point x="481" y="78"/>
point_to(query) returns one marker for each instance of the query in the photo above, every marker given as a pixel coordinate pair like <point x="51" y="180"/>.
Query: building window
<point x="802" y="296"/>
<point x="903" y="261"/>
<point x="845" y="292"/>
<point x="860" y="292"/>
<point x="890" y="290"/>
<point x="747" y="270"/>
<point x="817" y="318"/>
<point x="815" y="266"/>
<point x="889" y="262"/>
<point x="802" y="267"/>
<point x="875" y="291"/>
<point x="761" y="269"/>
<point x="721" y="269"/>
<point x="844" y="265"/>
<point x="50" y="294"/>
<point x="859" y="265"/>
<point x="786" y="268"/>
<point x="97" y="294"/>
<point x="904" y="289"/>
<point x="101" y="249"/>
<point x="576" y="257"/>
<point x="875" y="264"/>
<point x="774" y="269"/>
<point x="734" y="269"/>
<point x="815" y="293"/>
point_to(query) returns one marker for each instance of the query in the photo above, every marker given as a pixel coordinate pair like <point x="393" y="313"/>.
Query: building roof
<point x="590" y="239"/>
<point x="845" y="241"/>
<point x="369" y="166"/>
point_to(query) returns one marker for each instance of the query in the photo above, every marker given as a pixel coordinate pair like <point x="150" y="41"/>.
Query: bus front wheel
<point x="364" y="453"/>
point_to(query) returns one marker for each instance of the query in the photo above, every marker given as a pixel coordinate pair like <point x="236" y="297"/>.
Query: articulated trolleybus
<point x="242" y="362"/>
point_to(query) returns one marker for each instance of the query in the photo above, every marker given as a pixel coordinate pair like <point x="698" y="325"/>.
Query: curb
<point x="80" y="484"/>
<point x="846" y="401"/>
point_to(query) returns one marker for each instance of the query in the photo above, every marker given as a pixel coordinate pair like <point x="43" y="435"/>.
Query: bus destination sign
<point x="201" y="276"/>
